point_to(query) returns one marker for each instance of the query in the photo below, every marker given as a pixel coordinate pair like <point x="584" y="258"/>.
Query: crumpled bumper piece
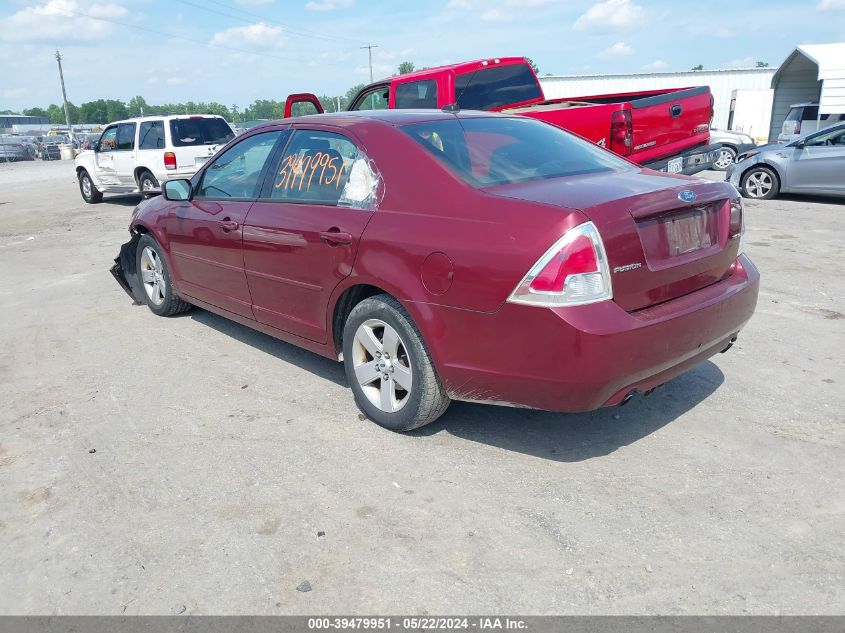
<point x="124" y="271"/>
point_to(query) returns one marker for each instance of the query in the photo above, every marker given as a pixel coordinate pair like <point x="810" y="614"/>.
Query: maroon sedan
<point x="445" y="255"/>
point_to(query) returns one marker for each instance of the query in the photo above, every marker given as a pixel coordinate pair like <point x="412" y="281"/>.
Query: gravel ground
<point x="157" y="466"/>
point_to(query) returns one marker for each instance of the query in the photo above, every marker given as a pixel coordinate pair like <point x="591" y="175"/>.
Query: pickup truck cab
<point x="666" y="130"/>
<point x="139" y="154"/>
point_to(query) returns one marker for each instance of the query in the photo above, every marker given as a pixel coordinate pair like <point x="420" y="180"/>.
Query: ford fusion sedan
<point x="444" y="255"/>
<point x="813" y="164"/>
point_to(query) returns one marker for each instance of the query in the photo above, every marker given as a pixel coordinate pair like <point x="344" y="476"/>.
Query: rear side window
<point x="811" y="113"/>
<point x="496" y="86"/>
<point x="125" y="136"/>
<point x="200" y="131"/>
<point x="314" y="168"/>
<point x="794" y="115"/>
<point x="151" y="135"/>
<point x="416" y="94"/>
<point x="237" y="172"/>
<point x="497" y="151"/>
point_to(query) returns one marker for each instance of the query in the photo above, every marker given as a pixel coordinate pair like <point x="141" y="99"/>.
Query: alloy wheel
<point x="152" y="275"/>
<point x="758" y="184"/>
<point x="382" y="367"/>
<point x="724" y="159"/>
<point x="86" y="186"/>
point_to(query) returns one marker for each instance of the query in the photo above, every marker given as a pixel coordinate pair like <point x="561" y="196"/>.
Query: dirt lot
<point x="221" y="454"/>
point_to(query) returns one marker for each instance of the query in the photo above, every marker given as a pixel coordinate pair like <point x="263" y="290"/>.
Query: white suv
<point x="804" y="118"/>
<point x="139" y="154"/>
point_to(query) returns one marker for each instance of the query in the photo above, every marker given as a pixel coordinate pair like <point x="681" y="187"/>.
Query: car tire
<point x="760" y="183"/>
<point x="147" y="181"/>
<point x="89" y="192"/>
<point x="155" y="280"/>
<point x="724" y="158"/>
<point x="396" y="404"/>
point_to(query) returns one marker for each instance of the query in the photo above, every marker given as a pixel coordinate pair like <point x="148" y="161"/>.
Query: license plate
<point x="688" y="232"/>
<point x="675" y="165"/>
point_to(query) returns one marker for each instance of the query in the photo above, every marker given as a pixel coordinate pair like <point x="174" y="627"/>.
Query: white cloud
<point x="611" y="16"/>
<point x="620" y="49"/>
<point x="831" y="5"/>
<point x="58" y="21"/>
<point x="743" y="62"/>
<point x="657" y="64"/>
<point x="258" y="35"/>
<point x="495" y="15"/>
<point x="459" y="5"/>
<point x="327" y="5"/>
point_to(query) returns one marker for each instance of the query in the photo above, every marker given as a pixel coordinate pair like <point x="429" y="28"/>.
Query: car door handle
<point x="675" y="110"/>
<point x="335" y="237"/>
<point x="228" y="225"/>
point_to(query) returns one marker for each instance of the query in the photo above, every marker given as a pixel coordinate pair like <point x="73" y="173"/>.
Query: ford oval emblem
<point x="687" y="196"/>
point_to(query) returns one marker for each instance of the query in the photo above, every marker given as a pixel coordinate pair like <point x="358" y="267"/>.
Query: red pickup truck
<point x="666" y="130"/>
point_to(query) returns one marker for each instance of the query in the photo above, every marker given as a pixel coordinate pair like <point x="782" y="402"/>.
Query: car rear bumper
<point x="585" y="357"/>
<point x="694" y="160"/>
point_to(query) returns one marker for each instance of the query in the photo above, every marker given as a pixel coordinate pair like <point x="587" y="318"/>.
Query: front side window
<point x="108" y="141"/>
<point x="237" y="173"/>
<point x="315" y="168"/>
<point x="496" y="86"/>
<point x="416" y="94"/>
<point x="125" y="137"/>
<point x="496" y="151"/>
<point x="834" y="137"/>
<point x="151" y="135"/>
<point x="200" y="130"/>
<point x="375" y="99"/>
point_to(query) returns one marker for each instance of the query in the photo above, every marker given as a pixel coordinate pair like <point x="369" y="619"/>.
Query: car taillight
<point x="737" y="223"/>
<point x="621" y="135"/>
<point x="712" y="110"/>
<point x="797" y="129"/>
<point x="169" y="160"/>
<point x="574" y="271"/>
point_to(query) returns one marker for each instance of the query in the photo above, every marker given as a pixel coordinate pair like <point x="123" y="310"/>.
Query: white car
<point x="140" y="154"/>
<point x="731" y="144"/>
<point x="803" y="119"/>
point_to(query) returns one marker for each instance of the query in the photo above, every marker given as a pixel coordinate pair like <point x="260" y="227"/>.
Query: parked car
<point x="667" y="130"/>
<point x="804" y="119"/>
<point x="731" y="144"/>
<point x="12" y="150"/>
<point x="141" y="153"/>
<point x="48" y="147"/>
<point x="443" y="256"/>
<point x="813" y="164"/>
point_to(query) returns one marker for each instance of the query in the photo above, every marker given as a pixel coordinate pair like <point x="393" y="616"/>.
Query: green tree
<point x="116" y="110"/>
<point x="137" y="106"/>
<point x="699" y="67"/>
<point x="406" y="67"/>
<point x="56" y="114"/>
<point x="351" y="93"/>
<point x="329" y="103"/>
<point x="534" y="66"/>
<point x="95" y="112"/>
<point x="35" y="112"/>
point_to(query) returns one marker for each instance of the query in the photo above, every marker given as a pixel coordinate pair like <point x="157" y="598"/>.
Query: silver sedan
<point x="814" y="164"/>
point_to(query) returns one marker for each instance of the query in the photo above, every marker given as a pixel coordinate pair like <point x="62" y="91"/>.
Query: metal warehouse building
<point x="812" y="73"/>
<point x="722" y="84"/>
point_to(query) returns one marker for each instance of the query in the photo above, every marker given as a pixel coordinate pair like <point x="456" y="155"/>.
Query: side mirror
<point x="177" y="189"/>
<point x="799" y="144"/>
<point x="95" y="146"/>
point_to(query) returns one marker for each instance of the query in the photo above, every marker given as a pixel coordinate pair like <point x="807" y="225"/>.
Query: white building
<point x="722" y="84"/>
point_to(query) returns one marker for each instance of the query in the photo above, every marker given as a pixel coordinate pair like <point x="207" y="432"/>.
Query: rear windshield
<point x="496" y="86"/>
<point x="501" y="150"/>
<point x="200" y="131"/>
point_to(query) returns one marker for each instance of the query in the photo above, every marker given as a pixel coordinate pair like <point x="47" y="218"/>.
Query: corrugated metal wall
<point x="722" y="83"/>
<point x="797" y="82"/>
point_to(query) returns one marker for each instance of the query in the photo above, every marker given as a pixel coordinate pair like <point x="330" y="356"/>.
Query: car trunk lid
<point x="665" y="236"/>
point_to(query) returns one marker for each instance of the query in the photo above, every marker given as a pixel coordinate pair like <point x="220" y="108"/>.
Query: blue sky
<point x="236" y="51"/>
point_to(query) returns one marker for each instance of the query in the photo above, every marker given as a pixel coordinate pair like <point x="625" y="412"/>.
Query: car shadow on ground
<point x="128" y="200"/>
<point x="565" y="437"/>
<point x="795" y="197"/>
<point x="302" y="358"/>
<point x="575" y="437"/>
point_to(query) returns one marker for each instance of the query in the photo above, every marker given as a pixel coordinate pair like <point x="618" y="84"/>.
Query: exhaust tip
<point x="729" y="345"/>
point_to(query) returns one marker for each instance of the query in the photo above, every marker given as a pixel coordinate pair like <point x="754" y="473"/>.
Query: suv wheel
<point x="146" y="181"/>
<point x="90" y="193"/>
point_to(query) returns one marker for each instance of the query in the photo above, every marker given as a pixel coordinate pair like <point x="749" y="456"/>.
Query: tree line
<point x="107" y="110"/>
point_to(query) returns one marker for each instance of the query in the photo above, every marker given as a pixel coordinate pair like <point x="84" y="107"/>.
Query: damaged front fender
<point x="125" y="271"/>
